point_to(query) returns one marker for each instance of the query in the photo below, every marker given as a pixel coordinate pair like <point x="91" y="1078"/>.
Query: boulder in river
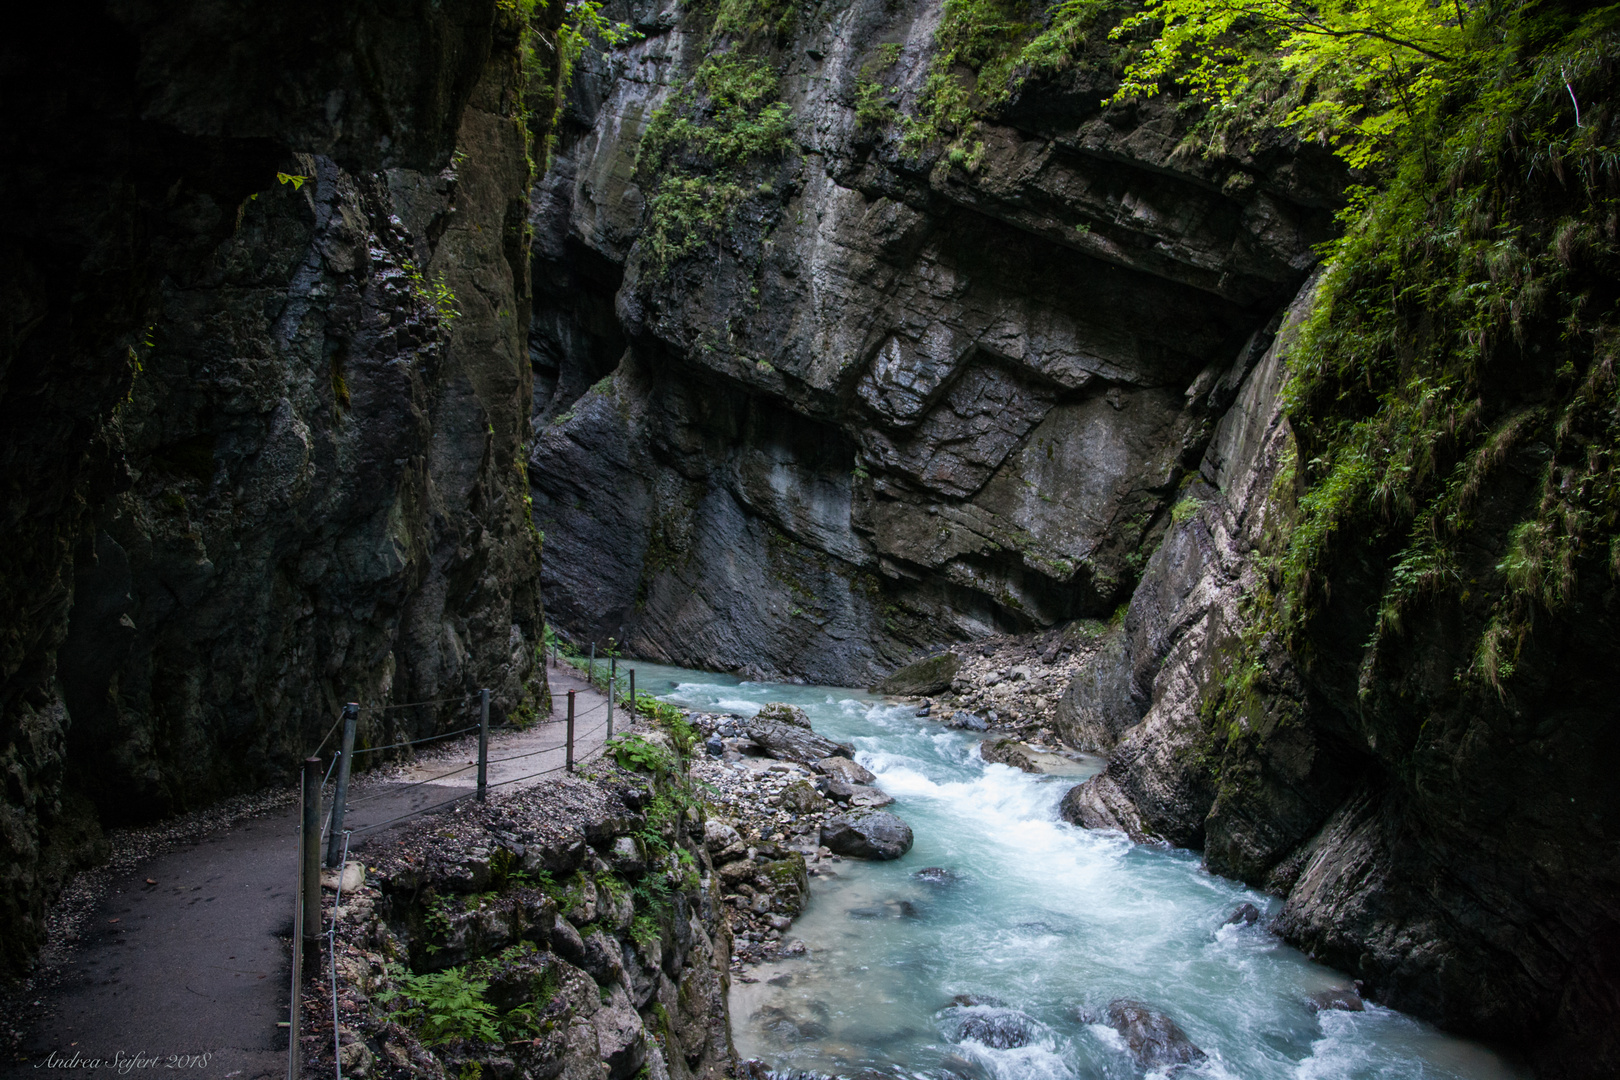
<point x="1008" y="752"/>
<point x="787" y="740"/>
<point x="929" y="676"/>
<point x="1337" y="997"/>
<point x="968" y="1001"/>
<point x="869" y="798"/>
<point x="842" y="768"/>
<point x="871" y="835"/>
<point x="1245" y="915"/>
<point x="997" y="1028"/>
<point x="938" y="875"/>
<point x="1155" y="1041"/>
<point x="966" y="721"/>
<point x="800" y="798"/>
<point x="784" y="713"/>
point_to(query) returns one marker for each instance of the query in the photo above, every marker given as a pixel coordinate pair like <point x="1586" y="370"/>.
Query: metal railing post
<point x="340" y="798"/>
<point x="569" y="761"/>
<point x="613" y="688"/>
<point x="483" y="741"/>
<point x="590" y="668"/>
<point x="311" y="843"/>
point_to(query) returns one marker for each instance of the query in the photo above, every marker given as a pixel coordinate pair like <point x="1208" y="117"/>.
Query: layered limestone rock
<point x="894" y="396"/>
<point x="265" y="397"/>
<point x="1439" y="844"/>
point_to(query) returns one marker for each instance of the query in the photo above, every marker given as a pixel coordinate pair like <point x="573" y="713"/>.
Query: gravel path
<point x="174" y="956"/>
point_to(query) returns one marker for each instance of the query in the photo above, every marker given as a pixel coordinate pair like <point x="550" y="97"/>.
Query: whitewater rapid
<point x="1043" y="923"/>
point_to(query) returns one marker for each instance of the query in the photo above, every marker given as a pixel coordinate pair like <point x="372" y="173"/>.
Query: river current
<point x="1043" y="924"/>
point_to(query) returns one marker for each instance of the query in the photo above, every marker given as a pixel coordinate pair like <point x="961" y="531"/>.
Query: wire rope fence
<point x="333" y="827"/>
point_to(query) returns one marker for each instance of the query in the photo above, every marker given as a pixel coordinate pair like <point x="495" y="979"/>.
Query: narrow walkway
<point x="188" y="954"/>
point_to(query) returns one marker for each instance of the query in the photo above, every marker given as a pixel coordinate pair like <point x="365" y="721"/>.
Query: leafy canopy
<point x="1367" y="68"/>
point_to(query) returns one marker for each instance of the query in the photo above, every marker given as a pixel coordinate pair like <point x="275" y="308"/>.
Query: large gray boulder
<point x="787" y="740"/>
<point x="874" y="835"/>
<point x="1154" y="1040"/>
<point x="930" y="676"/>
<point x="783" y="712"/>
<point x="845" y="769"/>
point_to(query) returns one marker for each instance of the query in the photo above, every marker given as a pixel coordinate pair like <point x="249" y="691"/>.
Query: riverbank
<point x="572" y="929"/>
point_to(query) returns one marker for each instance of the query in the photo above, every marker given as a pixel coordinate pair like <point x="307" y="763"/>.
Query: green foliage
<point x="1467" y="314"/>
<point x="985" y="49"/>
<point x="548" y="56"/>
<point x="634" y="752"/>
<point x="435" y="292"/>
<point x="873" y="106"/>
<point x="1367" y="69"/>
<point x="644" y="932"/>
<point x="444" y="1006"/>
<point x="982" y="37"/>
<point x="451" y="1004"/>
<point x="293" y="179"/>
<point x="661" y="711"/>
<point x="705" y="145"/>
<point x="1184" y="509"/>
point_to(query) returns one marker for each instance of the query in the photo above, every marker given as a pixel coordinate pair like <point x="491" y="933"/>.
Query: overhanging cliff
<point x="853" y="395"/>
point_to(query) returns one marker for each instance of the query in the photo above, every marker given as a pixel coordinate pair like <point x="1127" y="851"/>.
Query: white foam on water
<point x="1052" y="919"/>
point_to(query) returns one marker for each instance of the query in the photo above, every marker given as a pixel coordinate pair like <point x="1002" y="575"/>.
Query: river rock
<point x="1338" y="997"/>
<point x="873" y="835"/>
<point x="1245" y="915"/>
<point x="869" y="798"/>
<point x="968" y="1001"/>
<point x="843" y="768"/>
<point x="938" y="875"/>
<point x="783" y="713"/>
<point x="619" y="1035"/>
<point x="1155" y="1041"/>
<point x="930" y="676"/>
<point x="997" y="1028"/>
<point x="800" y="798"/>
<point x="719" y="835"/>
<point x="791" y="741"/>
<point x="1008" y="752"/>
<point x="966" y="721"/>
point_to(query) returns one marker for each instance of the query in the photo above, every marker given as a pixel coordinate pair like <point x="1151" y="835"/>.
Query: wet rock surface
<point x="900" y="402"/>
<point x="989" y="1023"/>
<point x="792" y="740"/>
<point x="871" y="835"/>
<point x="1154" y="1040"/>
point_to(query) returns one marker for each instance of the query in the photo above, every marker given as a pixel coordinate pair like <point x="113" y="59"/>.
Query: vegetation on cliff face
<point x="706" y="146"/>
<point x="1468" y="307"/>
<point x="1469" y="315"/>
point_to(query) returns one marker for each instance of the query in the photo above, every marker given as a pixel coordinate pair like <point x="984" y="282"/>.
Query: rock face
<point x="888" y="398"/>
<point x="1404" y="827"/>
<point x="876" y="835"/>
<point x="254" y="468"/>
<point x="644" y="988"/>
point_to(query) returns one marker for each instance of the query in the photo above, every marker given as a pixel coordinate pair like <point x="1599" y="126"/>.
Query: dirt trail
<point x="183" y="967"/>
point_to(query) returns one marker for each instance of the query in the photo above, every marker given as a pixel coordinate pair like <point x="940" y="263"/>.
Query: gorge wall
<point x="264" y="397"/>
<point x="813" y="395"/>
<point x="888" y="396"/>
